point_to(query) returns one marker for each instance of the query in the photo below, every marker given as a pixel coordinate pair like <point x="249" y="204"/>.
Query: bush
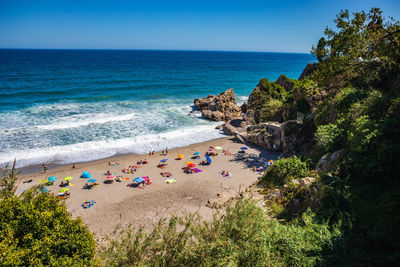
<point x="285" y="170"/>
<point x="243" y="236"/>
<point x="329" y="137"/>
<point x="37" y="230"/>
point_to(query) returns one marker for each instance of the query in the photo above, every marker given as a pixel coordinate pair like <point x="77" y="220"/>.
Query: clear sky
<point x="280" y="26"/>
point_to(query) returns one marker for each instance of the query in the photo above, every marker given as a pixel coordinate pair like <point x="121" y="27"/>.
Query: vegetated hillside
<point x="354" y="96"/>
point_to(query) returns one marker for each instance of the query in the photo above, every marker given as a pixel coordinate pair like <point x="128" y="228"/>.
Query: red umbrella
<point x="192" y="165"/>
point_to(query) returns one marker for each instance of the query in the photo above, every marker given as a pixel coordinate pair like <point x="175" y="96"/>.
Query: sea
<point x="66" y="106"/>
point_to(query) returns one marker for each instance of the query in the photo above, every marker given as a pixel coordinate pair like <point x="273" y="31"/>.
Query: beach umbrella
<point x="188" y="162"/>
<point x="196" y="153"/>
<point x="269" y="163"/>
<point x="86" y="174"/>
<point x="208" y="159"/>
<point x="218" y="148"/>
<point x="42" y="181"/>
<point x="65" y="189"/>
<point x="44" y="190"/>
<point x="52" y="179"/>
<point x="92" y="180"/>
<point x="180" y="156"/>
<point x="243" y="148"/>
<point x="191" y="165"/>
<point x="138" y="179"/>
<point x="68" y="178"/>
<point x="163" y="160"/>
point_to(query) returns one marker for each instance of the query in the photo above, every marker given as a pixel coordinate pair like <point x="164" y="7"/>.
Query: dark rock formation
<point x="222" y="107"/>
<point x="308" y="70"/>
<point x="285" y="82"/>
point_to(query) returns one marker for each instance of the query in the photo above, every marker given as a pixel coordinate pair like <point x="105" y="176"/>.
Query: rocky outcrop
<point x="285" y="82"/>
<point x="328" y="162"/>
<point x="265" y="135"/>
<point x="289" y="137"/>
<point x="222" y="107"/>
<point x="308" y="70"/>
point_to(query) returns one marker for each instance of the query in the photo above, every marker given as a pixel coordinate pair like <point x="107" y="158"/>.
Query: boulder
<point x="222" y="107"/>
<point x="307" y="181"/>
<point x="228" y="129"/>
<point x="289" y="137"/>
<point x="265" y="135"/>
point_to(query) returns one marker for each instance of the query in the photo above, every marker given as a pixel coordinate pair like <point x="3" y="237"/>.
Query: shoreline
<point x="37" y="168"/>
<point x="118" y="204"/>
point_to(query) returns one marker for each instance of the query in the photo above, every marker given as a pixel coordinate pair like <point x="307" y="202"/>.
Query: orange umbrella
<point x="180" y="156"/>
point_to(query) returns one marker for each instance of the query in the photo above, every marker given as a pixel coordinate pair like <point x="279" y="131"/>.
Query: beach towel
<point x="170" y="181"/>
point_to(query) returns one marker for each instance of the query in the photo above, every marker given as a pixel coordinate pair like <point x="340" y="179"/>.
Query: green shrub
<point x="243" y="236"/>
<point x="285" y="170"/>
<point x="37" y="230"/>
<point x="329" y="137"/>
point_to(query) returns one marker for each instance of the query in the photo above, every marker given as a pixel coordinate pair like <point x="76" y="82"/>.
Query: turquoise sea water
<point x="64" y="106"/>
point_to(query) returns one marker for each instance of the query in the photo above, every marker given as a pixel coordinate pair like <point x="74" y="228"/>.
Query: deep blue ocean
<point x="64" y="106"/>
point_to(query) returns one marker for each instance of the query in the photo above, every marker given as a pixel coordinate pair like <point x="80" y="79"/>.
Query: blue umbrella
<point x="52" y="179"/>
<point x="243" y="148"/>
<point x="163" y="160"/>
<point x="44" y="190"/>
<point x="208" y="159"/>
<point x="197" y="153"/>
<point x="138" y="179"/>
<point x="85" y="174"/>
<point x="92" y="180"/>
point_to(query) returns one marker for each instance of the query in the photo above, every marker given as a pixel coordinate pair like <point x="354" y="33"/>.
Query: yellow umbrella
<point x="188" y="162"/>
<point x="180" y="156"/>
<point x="42" y="181"/>
<point x="218" y="148"/>
<point x="68" y="178"/>
<point x="64" y="190"/>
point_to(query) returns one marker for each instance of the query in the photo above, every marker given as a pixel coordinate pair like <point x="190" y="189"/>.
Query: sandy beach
<point x="117" y="203"/>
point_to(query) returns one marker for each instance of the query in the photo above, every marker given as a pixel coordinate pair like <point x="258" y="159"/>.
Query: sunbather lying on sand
<point x="166" y="174"/>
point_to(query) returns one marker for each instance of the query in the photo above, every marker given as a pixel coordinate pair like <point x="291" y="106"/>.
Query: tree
<point x="36" y="229"/>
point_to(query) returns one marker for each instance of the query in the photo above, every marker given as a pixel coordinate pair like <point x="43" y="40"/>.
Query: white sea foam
<point x="241" y="99"/>
<point x="87" y="119"/>
<point x="93" y="150"/>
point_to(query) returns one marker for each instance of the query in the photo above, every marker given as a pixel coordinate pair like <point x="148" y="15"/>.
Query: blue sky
<point x="276" y="26"/>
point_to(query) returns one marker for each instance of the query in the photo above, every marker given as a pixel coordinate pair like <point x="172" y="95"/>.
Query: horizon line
<point x="144" y="49"/>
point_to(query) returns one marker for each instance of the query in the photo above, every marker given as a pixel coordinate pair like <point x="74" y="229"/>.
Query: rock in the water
<point x="222" y="107"/>
<point x="308" y="70"/>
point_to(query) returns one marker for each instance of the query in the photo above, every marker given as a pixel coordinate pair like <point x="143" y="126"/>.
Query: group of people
<point x="64" y="184"/>
<point x="226" y="174"/>
<point x="140" y="162"/>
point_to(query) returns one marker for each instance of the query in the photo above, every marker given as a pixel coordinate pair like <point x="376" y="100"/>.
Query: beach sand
<point x="118" y="204"/>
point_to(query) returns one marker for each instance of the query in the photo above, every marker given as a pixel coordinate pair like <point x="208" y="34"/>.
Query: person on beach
<point x="166" y="151"/>
<point x="73" y="166"/>
<point x="108" y="172"/>
<point x="162" y="152"/>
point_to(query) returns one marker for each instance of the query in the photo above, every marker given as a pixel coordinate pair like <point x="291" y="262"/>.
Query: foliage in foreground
<point x="37" y="230"/>
<point x="243" y="236"/>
